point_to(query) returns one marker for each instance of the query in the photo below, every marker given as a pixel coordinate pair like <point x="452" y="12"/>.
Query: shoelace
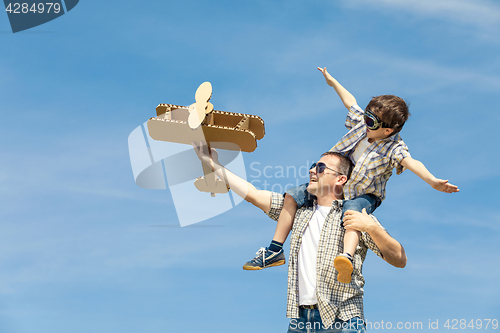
<point x="262" y="251"/>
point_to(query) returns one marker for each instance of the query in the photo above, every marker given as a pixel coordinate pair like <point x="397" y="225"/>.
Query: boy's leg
<point x="344" y="262"/>
<point x="285" y="220"/>
<point x="274" y="255"/>
<point x="351" y="240"/>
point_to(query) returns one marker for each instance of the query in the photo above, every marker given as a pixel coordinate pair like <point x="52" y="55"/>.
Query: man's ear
<point x="342" y="179"/>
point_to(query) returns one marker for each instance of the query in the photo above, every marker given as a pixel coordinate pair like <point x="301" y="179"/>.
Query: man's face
<point x="324" y="183"/>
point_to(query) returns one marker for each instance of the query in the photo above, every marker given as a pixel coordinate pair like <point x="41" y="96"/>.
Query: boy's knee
<point x="290" y="201"/>
<point x="350" y="205"/>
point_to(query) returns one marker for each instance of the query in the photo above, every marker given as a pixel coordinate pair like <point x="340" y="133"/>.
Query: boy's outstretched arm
<point x="259" y="198"/>
<point x="346" y="97"/>
<point x="420" y="170"/>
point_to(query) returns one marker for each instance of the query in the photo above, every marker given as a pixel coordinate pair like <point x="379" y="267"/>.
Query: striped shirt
<point x="335" y="299"/>
<point x="373" y="169"/>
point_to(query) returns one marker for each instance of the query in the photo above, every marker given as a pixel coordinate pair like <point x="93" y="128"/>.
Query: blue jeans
<point x="301" y="196"/>
<point x="368" y="201"/>
<point x="309" y="321"/>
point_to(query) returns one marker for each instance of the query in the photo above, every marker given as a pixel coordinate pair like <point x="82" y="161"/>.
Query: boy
<point x="375" y="147"/>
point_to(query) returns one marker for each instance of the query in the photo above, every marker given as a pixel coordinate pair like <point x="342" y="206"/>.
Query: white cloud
<point x="436" y="75"/>
<point x="481" y="13"/>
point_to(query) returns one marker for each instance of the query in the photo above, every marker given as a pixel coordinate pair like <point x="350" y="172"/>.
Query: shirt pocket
<point x="376" y="164"/>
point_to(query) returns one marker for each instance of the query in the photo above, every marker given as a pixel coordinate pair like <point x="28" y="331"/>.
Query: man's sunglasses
<point x="372" y="121"/>
<point x="320" y="167"/>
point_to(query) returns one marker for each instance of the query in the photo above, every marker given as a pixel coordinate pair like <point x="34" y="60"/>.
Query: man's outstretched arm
<point x="392" y="251"/>
<point x="259" y="198"/>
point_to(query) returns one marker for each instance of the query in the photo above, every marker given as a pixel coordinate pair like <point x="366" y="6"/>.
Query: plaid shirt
<point x="335" y="299"/>
<point x="373" y="169"/>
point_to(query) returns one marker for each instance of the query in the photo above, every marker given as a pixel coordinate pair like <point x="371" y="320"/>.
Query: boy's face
<point x="372" y="119"/>
<point x="378" y="134"/>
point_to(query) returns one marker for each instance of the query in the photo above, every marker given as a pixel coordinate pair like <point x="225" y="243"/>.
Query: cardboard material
<point x="198" y="110"/>
<point x="200" y="122"/>
<point x="224" y="130"/>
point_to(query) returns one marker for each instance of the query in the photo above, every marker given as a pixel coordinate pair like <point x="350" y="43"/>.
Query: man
<point x="317" y="302"/>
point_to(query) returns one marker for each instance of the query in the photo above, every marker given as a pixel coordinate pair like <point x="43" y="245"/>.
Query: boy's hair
<point x="345" y="164"/>
<point x="391" y="109"/>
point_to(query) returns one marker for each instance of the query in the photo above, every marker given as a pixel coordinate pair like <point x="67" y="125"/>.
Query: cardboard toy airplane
<point x="200" y="122"/>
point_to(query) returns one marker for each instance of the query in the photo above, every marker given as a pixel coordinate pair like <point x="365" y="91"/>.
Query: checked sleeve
<point x="277" y="201"/>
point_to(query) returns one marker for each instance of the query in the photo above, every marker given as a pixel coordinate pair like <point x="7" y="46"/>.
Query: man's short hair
<point x="345" y="165"/>
<point x="391" y="109"/>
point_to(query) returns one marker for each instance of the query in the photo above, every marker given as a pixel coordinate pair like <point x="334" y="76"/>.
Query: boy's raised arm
<point x="346" y="97"/>
<point x="420" y="170"/>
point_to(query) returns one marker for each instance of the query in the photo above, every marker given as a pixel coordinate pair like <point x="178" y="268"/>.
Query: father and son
<point x="330" y="217"/>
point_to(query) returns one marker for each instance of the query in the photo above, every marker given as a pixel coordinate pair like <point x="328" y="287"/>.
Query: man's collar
<point x="337" y="204"/>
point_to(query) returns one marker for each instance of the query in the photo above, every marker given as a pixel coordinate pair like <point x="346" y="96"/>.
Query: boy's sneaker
<point x="344" y="264"/>
<point x="265" y="258"/>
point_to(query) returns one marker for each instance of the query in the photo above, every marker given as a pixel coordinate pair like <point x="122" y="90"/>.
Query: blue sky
<point x="84" y="249"/>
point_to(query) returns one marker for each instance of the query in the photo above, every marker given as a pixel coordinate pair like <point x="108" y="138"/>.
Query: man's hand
<point x="443" y="186"/>
<point x="358" y="221"/>
<point x="201" y="150"/>
<point x="391" y="250"/>
<point x="329" y="79"/>
<point x="259" y="198"/>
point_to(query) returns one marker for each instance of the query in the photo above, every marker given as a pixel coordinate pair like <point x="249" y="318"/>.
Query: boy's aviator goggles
<point x="320" y="167"/>
<point x="372" y="121"/>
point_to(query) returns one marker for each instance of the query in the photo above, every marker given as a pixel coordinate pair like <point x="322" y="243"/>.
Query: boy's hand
<point x="443" y="186"/>
<point x="329" y="79"/>
<point x="358" y="221"/>
<point x="420" y="170"/>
